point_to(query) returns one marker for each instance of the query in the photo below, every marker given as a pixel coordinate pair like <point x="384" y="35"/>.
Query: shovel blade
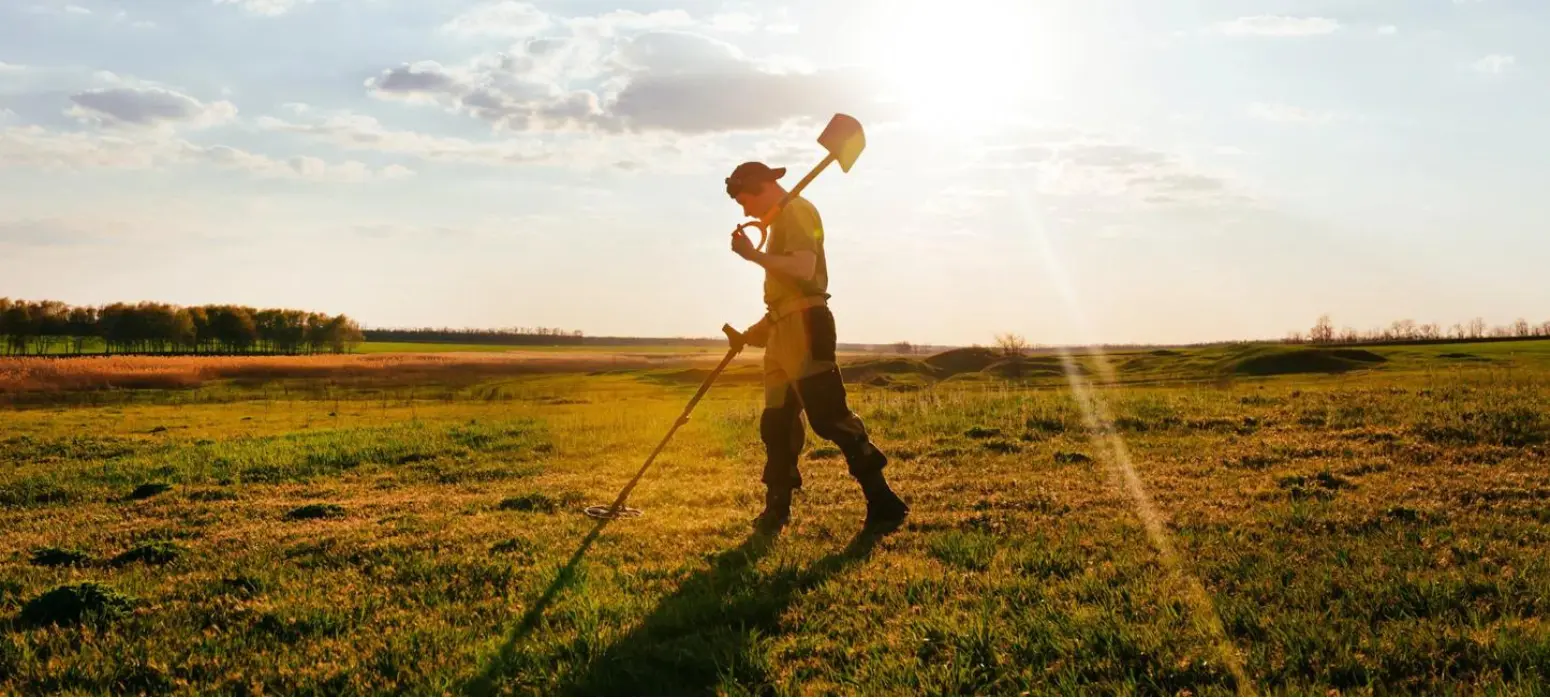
<point x="843" y="139"/>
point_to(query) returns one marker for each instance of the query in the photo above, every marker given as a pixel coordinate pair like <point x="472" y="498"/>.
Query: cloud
<point x="359" y="132"/>
<point x="38" y="233"/>
<point x="266" y="8"/>
<point x="507" y="18"/>
<point x="1286" y="114"/>
<point x="34" y="146"/>
<point x="1388" y="30"/>
<point x="1275" y="25"/>
<point x="1064" y="162"/>
<point x="1496" y="64"/>
<point x="146" y="107"/>
<point x="655" y="80"/>
<point x="734" y="22"/>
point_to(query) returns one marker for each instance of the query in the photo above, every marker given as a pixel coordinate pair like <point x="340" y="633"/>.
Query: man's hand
<point x="742" y="246"/>
<point x="758" y="334"/>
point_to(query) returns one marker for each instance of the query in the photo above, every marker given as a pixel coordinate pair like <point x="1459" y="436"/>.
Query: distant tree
<point x="1521" y="328"/>
<point x="903" y="348"/>
<point x="5" y="309"/>
<point x="1294" y="337"/>
<point x="1349" y="335"/>
<point x="1323" y="330"/>
<point x="1544" y="329"/>
<point x="82" y="321"/>
<point x="1476" y="328"/>
<point x="19" y="328"/>
<point x="1011" y="344"/>
<point x="1404" y="329"/>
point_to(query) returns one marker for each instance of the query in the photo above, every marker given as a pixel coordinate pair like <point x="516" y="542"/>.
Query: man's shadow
<point x="697" y="637"/>
<point x="706" y="631"/>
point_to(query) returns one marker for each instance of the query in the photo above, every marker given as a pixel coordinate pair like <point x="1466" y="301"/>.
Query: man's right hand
<point x="758" y="334"/>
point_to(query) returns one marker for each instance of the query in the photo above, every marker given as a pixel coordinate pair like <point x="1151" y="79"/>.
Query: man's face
<point x="754" y="200"/>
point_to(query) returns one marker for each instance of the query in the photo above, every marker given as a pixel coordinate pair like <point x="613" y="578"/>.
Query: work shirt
<point x="796" y="227"/>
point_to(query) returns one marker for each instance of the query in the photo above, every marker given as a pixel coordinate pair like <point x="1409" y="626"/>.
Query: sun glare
<point x="966" y="65"/>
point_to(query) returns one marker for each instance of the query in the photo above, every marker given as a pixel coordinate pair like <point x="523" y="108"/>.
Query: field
<point x="1240" y="519"/>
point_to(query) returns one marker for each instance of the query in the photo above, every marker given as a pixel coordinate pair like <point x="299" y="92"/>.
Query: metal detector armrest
<point x="734" y="338"/>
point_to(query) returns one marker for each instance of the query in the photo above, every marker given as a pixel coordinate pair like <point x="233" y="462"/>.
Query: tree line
<point x="1407" y="330"/>
<point x="476" y="336"/>
<point x="39" y="327"/>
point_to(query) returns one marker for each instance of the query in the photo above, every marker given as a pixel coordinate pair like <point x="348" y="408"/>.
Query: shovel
<point x="844" y="140"/>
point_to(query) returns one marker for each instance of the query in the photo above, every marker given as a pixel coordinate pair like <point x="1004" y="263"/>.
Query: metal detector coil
<point x="608" y="513"/>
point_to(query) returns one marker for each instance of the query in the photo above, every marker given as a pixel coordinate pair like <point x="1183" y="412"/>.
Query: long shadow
<point x="705" y="632"/>
<point x="484" y="683"/>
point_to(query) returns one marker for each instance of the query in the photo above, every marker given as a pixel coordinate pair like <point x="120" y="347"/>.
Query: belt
<point x="785" y="308"/>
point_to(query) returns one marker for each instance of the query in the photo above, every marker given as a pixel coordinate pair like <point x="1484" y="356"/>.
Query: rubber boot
<point x="777" y="511"/>
<point x="884" y="509"/>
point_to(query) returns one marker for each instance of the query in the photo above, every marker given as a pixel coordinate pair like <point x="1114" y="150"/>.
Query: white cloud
<point x="658" y="80"/>
<point x="266" y="8"/>
<point x="734" y="22"/>
<point x="612" y="24"/>
<point x="1276" y="25"/>
<point x="505" y="18"/>
<point x="1287" y="114"/>
<point x="36" y="147"/>
<point x="359" y="132"/>
<point x="146" y="107"/>
<point x="1388" y="30"/>
<point x="1496" y="64"/>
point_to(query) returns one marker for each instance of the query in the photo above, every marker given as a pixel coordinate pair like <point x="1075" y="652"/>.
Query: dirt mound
<point x="1308" y="360"/>
<point x="870" y="369"/>
<point x="1022" y="367"/>
<point x="697" y="375"/>
<point x="1165" y="353"/>
<point x="1462" y="356"/>
<point x="963" y="360"/>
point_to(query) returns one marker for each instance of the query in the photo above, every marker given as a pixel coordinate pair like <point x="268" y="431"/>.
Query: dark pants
<point x="801" y="376"/>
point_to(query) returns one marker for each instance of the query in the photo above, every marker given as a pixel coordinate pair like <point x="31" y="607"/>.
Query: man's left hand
<point x="742" y="246"/>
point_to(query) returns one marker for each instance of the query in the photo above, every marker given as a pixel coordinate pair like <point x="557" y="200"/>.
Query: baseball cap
<point x="750" y="173"/>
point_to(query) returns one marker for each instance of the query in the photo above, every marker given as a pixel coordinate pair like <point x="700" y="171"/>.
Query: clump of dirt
<point x="1307" y="360"/>
<point x="67" y="605"/>
<point x="58" y="556"/>
<point x="540" y="503"/>
<point x="1463" y="356"/>
<point x="144" y="491"/>
<point x="1072" y="458"/>
<point x="980" y="433"/>
<point x="153" y="552"/>
<point x="316" y="511"/>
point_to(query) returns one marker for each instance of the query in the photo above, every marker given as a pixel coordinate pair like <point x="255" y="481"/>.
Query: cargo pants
<point x="802" y="376"/>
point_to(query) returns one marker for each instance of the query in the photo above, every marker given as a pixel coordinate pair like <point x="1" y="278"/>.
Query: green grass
<point x="385" y="347"/>
<point x="1380" y="529"/>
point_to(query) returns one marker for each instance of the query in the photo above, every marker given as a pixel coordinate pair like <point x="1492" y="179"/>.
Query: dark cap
<point x="752" y="172"/>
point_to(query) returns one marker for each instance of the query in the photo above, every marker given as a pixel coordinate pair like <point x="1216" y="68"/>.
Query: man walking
<point x="798" y="335"/>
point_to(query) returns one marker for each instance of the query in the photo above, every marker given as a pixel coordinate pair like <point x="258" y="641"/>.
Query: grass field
<point x="1241" y="519"/>
<point x="382" y="347"/>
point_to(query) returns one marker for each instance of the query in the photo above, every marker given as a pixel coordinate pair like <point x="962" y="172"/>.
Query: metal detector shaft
<point x="737" y="346"/>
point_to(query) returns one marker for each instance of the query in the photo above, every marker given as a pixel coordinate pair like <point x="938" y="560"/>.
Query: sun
<point x="967" y="65"/>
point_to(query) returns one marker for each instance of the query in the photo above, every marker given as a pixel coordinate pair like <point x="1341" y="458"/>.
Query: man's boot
<point x="884" y="509"/>
<point x="777" y="510"/>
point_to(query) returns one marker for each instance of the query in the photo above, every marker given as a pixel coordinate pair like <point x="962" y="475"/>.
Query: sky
<point x="1073" y="171"/>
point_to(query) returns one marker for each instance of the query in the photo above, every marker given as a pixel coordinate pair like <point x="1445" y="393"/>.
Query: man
<point x="798" y="335"/>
